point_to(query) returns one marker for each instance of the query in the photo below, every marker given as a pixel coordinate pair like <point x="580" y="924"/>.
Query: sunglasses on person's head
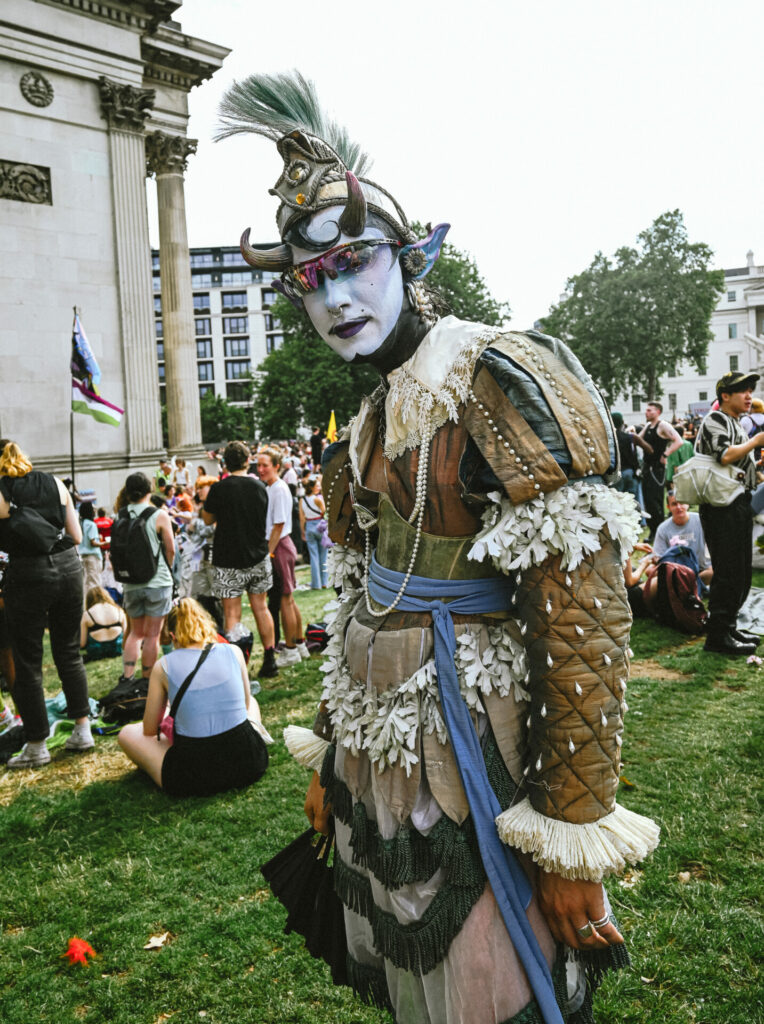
<point x="349" y="258"/>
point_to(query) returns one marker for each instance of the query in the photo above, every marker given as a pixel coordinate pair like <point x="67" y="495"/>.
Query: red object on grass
<point x="78" y="951"/>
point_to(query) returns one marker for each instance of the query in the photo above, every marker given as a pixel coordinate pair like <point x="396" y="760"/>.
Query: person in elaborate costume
<point x="468" y="742"/>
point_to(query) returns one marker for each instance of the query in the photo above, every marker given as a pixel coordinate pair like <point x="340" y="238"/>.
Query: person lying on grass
<point x="219" y="740"/>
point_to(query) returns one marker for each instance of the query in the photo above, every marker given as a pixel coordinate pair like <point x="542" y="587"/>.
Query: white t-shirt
<point x="279" y="508"/>
<point x="290" y="477"/>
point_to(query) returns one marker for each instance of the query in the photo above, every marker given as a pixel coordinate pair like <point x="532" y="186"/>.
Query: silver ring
<point x="601" y="924"/>
<point x="586" y="931"/>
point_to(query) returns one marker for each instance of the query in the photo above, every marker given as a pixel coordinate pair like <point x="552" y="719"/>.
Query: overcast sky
<point x="542" y="131"/>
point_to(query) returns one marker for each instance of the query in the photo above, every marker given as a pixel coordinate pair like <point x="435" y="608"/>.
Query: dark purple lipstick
<point x="349" y="328"/>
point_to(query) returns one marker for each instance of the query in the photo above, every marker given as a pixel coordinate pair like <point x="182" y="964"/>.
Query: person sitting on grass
<point x="219" y="740"/>
<point x="103" y="626"/>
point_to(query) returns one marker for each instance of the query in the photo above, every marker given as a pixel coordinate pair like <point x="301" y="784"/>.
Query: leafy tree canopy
<point x="634" y="317"/>
<point x="223" y="421"/>
<point x="301" y="382"/>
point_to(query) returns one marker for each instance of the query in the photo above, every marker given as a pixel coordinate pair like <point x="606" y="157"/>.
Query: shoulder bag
<point x="167" y="725"/>
<point x="704" y="481"/>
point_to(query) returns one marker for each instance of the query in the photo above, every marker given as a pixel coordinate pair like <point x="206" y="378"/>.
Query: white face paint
<point x="355" y="313"/>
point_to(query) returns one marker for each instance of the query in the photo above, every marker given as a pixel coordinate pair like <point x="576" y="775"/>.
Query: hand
<point x="569" y="905"/>
<point x="316" y="812"/>
<point x="647" y="548"/>
<point x="759" y="439"/>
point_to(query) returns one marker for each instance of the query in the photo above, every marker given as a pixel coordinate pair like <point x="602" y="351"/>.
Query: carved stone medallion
<point x="36" y="89"/>
<point x="26" y="183"/>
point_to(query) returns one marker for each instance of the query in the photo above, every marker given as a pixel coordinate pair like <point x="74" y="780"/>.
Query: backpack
<point x="132" y="557"/>
<point x="29" y="527"/>
<point x="676" y="602"/>
<point x="126" y="702"/>
<point x="316" y="637"/>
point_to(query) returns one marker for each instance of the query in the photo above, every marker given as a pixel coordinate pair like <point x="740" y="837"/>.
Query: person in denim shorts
<point x="146" y="603"/>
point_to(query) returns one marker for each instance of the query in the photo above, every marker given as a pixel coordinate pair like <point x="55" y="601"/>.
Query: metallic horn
<point x="353" y="219"/>
<point x="277" y="258"/>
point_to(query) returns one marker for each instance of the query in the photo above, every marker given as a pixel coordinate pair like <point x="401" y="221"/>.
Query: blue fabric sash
<point x="510" y="885"/>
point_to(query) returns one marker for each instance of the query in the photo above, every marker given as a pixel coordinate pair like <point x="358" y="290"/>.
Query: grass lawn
<point x="91" y="848"/>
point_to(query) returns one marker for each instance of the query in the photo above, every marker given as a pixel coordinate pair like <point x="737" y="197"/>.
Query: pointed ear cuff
<point x="418" y="259"/>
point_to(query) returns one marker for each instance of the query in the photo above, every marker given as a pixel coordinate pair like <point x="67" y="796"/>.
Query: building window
<point x="206" y="389"/>
<point x="734" y="363"/>
<point x="272" y="323"/>
<point x="201" y="280"/>
<point x="236" y="348"/>
<point x="157" y="284"/>
<point x="672" y="371"/>
<point x="702" y="396"/>
<point x="159" y="328"/>
<point x="160" y="350"/>
<point x="202" y="302"/>
<point x="235" y="324"/>
<point x="232" y="258"/>
<point x="277" y="340"/>
<point x="157" y="305"/>
<point x="237" y="392"/>
<point x="731" y="296"/>
<point x="204" y="349"/>
<point x="203" y="326"/>
<point x="672" y="401"/>
<point x="234" y="300"/>
<point x="204" y="371"/>
<point x="236" y="277"/>
<point x="201" y="259"/>
<point x="636" y="403"/>
<point x="268" y="297"/>
<point x="235" y="370"/>
<point x="155" y="260"/>
<point x="732" y="330"/>
<point x="160" y="370"/>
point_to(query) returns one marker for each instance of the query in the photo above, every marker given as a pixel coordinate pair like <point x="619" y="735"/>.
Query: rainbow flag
<point x="86" y="375"/>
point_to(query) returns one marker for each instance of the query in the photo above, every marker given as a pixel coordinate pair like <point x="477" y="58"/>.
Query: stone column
<point x="166" y="157"/>
<point x="126" y="109"/>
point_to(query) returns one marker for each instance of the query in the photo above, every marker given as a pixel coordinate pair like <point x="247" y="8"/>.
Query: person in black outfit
<point x="728" y="529"/>
<point x="316" y="449"/>
<point x="240" y="560"/>
<point x="38" y="589"/>
<point x="663" y="440"/>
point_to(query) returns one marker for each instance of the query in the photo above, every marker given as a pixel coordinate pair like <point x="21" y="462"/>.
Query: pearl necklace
<point x="366" y="522"/>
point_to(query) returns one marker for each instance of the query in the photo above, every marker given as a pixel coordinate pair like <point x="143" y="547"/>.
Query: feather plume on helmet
<point x="322" y="166"/>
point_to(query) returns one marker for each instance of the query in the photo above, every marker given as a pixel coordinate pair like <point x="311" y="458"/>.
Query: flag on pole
<point x="331" y="430"/>
<point x="86" y="376"/>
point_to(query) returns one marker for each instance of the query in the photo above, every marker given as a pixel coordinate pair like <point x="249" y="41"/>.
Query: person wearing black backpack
<point x="142" y="551"/>
<point x="39" y="530"/>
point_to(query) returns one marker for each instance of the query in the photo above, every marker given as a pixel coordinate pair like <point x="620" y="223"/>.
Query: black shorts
<point x="201" y="766"/>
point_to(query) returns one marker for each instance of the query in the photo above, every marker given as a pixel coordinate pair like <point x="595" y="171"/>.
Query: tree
<point x="301" y="382"/>
<point x="633" y="318"/>
<point x="222" y="421"/>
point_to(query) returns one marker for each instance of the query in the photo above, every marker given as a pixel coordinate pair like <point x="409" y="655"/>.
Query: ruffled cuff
<point x="305" y="747"/>
<point x="589" y="851"/>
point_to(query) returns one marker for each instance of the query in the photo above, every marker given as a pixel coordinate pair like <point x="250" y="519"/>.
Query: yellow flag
<point x="331" y="430"/>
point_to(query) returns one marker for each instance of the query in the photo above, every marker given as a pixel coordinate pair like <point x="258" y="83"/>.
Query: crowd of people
<point x="706" y="553"/>
<point x="240" y="529"/>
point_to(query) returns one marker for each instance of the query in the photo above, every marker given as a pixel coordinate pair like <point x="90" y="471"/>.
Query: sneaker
<point x="302" y="650"/>
<point x="80" y="740"/>
<point x="31" y="756"/>
<point x="289" y="656"/>
<point x="268" y="668"/>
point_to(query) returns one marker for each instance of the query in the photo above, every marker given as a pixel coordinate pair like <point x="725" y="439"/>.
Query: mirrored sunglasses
<point x="339" y="262"/>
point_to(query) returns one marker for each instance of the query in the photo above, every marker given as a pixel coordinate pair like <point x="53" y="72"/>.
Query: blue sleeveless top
<point x="214" y="702"/>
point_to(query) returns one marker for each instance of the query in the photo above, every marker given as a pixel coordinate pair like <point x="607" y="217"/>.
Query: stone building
<point x="94" y="96"/>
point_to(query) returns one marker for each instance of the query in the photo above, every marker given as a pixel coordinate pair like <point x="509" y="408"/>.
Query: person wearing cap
<point x="728" y="529"/>
<point x="753" y="421"/>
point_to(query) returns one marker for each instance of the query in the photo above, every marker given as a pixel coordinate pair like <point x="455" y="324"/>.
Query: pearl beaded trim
<point x="366" y="523"/>
<point x="502" y="440"/>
